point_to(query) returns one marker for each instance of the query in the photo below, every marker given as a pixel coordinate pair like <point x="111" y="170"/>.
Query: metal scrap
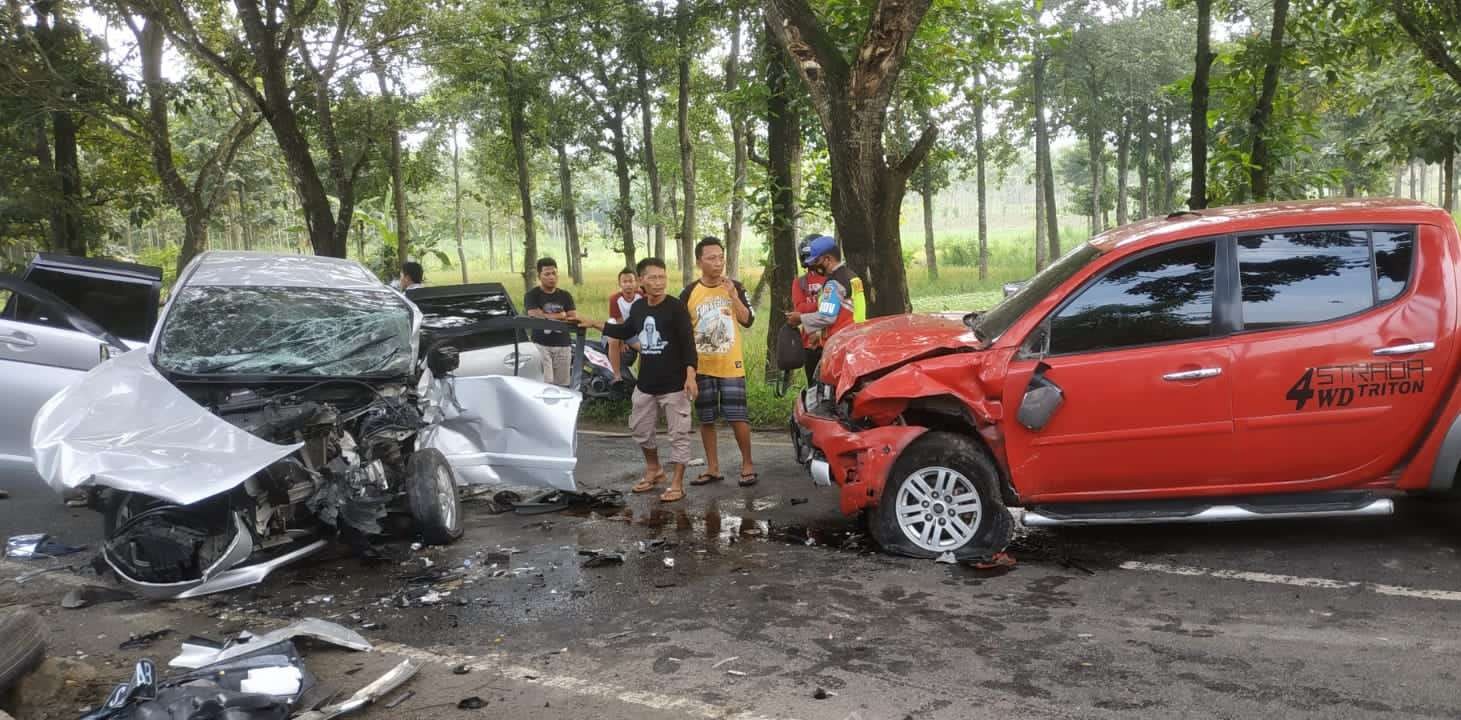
<point x="364" y="696"/>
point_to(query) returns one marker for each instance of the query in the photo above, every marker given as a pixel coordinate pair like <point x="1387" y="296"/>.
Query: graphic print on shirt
<point x="650" y="341"/>
<point x="715" y="326"/>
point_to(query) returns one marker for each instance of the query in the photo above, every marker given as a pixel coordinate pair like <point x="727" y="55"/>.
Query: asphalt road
<point x="770" y="599"/>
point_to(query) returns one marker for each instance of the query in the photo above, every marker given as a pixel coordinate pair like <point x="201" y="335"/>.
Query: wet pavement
<point x="744" y="603"/>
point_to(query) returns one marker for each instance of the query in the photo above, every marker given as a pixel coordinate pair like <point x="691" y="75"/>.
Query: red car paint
<point x="1359" y="421"/>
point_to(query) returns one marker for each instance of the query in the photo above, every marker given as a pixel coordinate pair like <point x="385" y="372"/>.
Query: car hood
<point x="885" y="343"/>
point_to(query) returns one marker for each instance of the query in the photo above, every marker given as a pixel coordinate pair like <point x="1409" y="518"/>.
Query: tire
<point x="118" y="507"/>
<point x="976" y="526"/>
<point x="22" y="646"/>
<point x="431" y="494"/>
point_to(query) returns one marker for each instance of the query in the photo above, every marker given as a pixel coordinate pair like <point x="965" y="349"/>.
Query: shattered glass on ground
<point x="286" y="331"/>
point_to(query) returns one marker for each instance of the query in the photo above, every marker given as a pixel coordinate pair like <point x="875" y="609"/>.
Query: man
<point x="666" y="376"/>
<point x="547" y="301"/>
<point x="411" y="275"/>
<point x="840" y="302"/>
<point x="619" y="304"/>
<point x="804" y="292"/>
<point x="720" y="309"/>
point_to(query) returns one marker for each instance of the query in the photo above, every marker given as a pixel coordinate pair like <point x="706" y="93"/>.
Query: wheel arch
<point x="946" y="413"/>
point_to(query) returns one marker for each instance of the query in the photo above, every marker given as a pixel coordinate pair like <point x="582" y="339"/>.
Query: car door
<point x="497" y="429"/>
<point x="504" y="352"/>
<point x="1143" y="365"/>
<point x="45" y="345"/>
<point x="1344" y="341"/>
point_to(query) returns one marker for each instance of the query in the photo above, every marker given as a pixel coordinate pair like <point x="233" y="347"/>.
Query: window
<point x="992" y="324"/>
<point x="1294" y="278"/>
<point x="1162" y="297"/>
<point x="441" y="312"/>
<point x="1393" y="252"/>
<point x="123" y="309"/>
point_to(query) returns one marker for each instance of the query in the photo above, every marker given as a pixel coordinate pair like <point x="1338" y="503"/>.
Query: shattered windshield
<point x="286" y="331"/>
<point x="992" y="324"/>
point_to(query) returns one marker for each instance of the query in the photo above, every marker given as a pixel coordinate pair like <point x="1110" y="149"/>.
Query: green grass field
<point x="1011" y="257"/>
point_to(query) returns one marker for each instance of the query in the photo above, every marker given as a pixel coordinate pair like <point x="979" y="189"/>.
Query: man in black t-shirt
<point x="666" y="380"/>
<point x="547" y="301"/>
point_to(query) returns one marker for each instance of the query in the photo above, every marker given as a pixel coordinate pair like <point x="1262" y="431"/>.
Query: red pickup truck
<point x="1267" y="361"/>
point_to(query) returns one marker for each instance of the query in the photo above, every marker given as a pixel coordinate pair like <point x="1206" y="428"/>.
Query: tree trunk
<point x="456" y="178"/>
<point x="1450" y="182"/>
<point x="624" y="212"/>
<point x="518" y="125"/>
<point x="1123" y="164"/>
<point x="398" y="179"/>
<point x="491" y="242"/>
<point x="738" y="139"/>
<point x="1095" y="144"/>
<point x="1260" y="172"/>
<point x="1143" y="165"/>
<point x="66" y="230"/>
<point x="245" y="217"/>
<point x="570" y="215"/>
<point x="687" y="151"/>
<point x="651" y="168"/>
<point x="783" y="155"/>
<point x="930" y="253"/>
<point x="1411" y="166"/>
<point x="1041" y="229"/>
<point x="1425" y="171"/>
<point x="1200" y="91"/>
<point x="1169" y="181"/>
<point x="981" y="187"/>
<point x="675" y="216"/>
<point x="1399" y="178"/>
<point x="1042" y="157"/>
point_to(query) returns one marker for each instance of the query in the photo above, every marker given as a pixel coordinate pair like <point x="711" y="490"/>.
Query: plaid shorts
<point x="725" y="394"/>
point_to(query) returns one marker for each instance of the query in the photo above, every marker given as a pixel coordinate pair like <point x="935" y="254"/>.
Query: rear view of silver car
<point x="283" y="401"/>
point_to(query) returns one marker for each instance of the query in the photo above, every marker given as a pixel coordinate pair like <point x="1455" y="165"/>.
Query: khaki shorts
<point x="644" y="419"/>
<point x="557" y="364"/>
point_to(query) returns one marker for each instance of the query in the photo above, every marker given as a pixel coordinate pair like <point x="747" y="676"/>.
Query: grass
<point x="958" y="288"/>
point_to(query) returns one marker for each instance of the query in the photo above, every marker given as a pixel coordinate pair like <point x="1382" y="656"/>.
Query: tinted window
<point x="1156" y="298"/>
<point x="122" y="309"/>
<point x="443" y="313"/>
<point x="1393" y="252"/>
<point x="1304" y="277"/>
<point x="993" y="323"/>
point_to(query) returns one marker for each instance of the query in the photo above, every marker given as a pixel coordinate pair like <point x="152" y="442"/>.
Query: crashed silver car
<point x="282" y="401"/>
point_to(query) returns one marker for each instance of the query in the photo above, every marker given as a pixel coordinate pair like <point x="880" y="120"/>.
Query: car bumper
<point x="857" y="462"/>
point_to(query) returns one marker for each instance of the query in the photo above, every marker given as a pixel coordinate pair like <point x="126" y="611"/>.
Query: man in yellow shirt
<point x="719" y="309"/>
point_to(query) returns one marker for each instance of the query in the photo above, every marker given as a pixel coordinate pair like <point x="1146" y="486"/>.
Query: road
<point x="770" y="599"/>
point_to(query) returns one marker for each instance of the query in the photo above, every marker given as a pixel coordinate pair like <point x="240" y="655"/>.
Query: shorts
<point x="644" y="418"/>
<point x="557" y="364"/>
<point x="728" y="395"/>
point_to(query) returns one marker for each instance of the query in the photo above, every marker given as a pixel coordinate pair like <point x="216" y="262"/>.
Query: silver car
<point x="283" y="400"/>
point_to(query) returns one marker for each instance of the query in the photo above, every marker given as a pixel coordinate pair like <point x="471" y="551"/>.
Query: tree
<point x="782" y="162"/>
<point x="1203" y="65"/>
<point x="687" y="150"/>
<point x="851" y="100"/>
<point x="1261" y="113"/>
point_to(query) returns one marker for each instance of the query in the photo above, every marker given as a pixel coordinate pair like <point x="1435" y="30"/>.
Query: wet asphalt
<point x="743" y="603"/>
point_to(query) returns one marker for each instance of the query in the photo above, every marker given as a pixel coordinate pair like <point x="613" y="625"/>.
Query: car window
<point x="1394" y="251"/>
<point x="1161" y="297"/>
<point x="121" y="308"/>
<point x="992" y="324"/>
<point x="1293" y="278"/>
<point x="455" y="311"/>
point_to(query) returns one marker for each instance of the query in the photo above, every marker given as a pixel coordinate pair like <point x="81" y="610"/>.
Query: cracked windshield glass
<point x="286" y="331"/>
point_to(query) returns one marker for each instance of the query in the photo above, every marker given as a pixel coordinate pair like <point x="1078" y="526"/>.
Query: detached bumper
<point x="856" y="461"/>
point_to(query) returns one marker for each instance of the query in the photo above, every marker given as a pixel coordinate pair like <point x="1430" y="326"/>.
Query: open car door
<point x="498" y="429"/>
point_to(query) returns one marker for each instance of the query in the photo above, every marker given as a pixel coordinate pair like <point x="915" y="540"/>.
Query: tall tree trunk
<point x="491" y="242"/>
<point x="1450" y="182"/>
<point x="1411" y="166"/>
<point x="1143" y="165"/>
<point x="980" y="184"/>
<point x="1399" y="178"/>
<point x="570" y="215"/>
<point x="1123" y="165"/>
<point x="675" y="216"/>
<point x="687" y="151"/>
<point x="246" y="218"/>
<point x="398" y="178"/>
<point x="624" y="212"/>
<point x="930" y="253"/>
<point x="1041" y="229"/>
<point x="518" y="125"/>
<point x="66" y="230"/>
<point x="1095" y="144"/>
<point x="783" y="155"/>
<point x="1042" y="157"/>
<point x="651" y="168"/>
<point x="1169" y="179"/>
<point x="1425" y="171"/>
<point x="1260" y="172"/>
<point x="738" y="140"/>
<point x="1200" y="91"/>
<point x="456" y="178"/>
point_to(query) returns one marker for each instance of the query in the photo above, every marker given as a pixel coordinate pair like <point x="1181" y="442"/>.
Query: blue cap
<point x="821" y="245"/>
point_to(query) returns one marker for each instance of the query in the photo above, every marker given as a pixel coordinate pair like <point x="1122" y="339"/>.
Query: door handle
<point x="20" y="341"/>
<point x="553" y="394"/>
<point x="1405" y="349"/>
<point x="1185" y="375"/>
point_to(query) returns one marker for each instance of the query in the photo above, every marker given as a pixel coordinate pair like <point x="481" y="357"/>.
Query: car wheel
<point x="22" y="646"/>
<point x="118" y="507"/>
<point x="431" y="493"/>
<point x="942" y="496"/>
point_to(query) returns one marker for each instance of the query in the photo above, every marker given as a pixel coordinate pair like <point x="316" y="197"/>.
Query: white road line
<point x="577" y="686"/>
<point x="1295" y="581"/>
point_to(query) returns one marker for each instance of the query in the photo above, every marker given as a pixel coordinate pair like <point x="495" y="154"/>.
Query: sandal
<point x="706" y="478"/>
<point x="749" y="479"/>
<point x="646" y="484"/>
<point x="672" y="495"/>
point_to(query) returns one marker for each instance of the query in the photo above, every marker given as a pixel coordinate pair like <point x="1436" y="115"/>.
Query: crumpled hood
<point x="888" y="342"/>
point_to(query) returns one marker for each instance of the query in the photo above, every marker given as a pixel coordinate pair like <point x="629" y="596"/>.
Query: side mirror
<point x="1042" y="398"/>
<point x="443" y="360"/>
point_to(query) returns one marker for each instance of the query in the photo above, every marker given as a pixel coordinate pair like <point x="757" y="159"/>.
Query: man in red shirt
<point x="619" y="304"/>
<point x="804" y="292"/>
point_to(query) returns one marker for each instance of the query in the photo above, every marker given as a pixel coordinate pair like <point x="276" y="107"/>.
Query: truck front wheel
<point x="942" y="496"/>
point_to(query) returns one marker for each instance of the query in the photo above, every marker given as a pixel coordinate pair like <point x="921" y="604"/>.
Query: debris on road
<point x="1000" y="562"/>
<point x="461" y="670"/>
<point x="367" y="695"/>
<point x="197" y="652"/>
<point x="669" y="562"/>
<point x="94" y="595"/>
<point x="799" y="501"/>
<point x="37" y="545"/>
<point x="403" y="697"/>
<point x="736" y="673"/>
<point x="820" y="694"/>
<point x="948" y="559"/>
<point x="600" y="558"/>
<point x="725" y="662"/>
<point x="137" y="642"/>
<point x="471" y="703"/>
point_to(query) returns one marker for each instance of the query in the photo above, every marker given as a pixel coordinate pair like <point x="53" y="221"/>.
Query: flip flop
<point x="670" y="495"/>
<point x="749" y="480"/>
<point x="706" y="479"/>
<point x="646" y="484"/>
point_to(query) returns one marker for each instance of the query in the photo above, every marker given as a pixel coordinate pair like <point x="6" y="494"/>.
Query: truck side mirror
<point x="1042" y="398"/>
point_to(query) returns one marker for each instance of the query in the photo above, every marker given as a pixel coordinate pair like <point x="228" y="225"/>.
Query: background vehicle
<point x="60" y="318"/>
<point x="1285" y="360"/>
<point x="598" y="377"/>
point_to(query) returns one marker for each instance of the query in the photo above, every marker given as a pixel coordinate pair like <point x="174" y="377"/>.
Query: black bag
<point x="790" y="355"/>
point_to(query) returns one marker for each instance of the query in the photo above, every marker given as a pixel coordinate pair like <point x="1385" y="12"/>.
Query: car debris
<point x="264" y="684"/>
<point x="37" y="546"/>
<point x="197" y="652"/>
<point x="94" y="595"/>
<point x="403" y="697"/>
<point x="471" y="703"/>
<point x="726" y="661"/>
<point x="600" y="558"/>
<point x="137" y="642"/>
<point x="820" y="694"/>
<point x="367" y="695"/>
